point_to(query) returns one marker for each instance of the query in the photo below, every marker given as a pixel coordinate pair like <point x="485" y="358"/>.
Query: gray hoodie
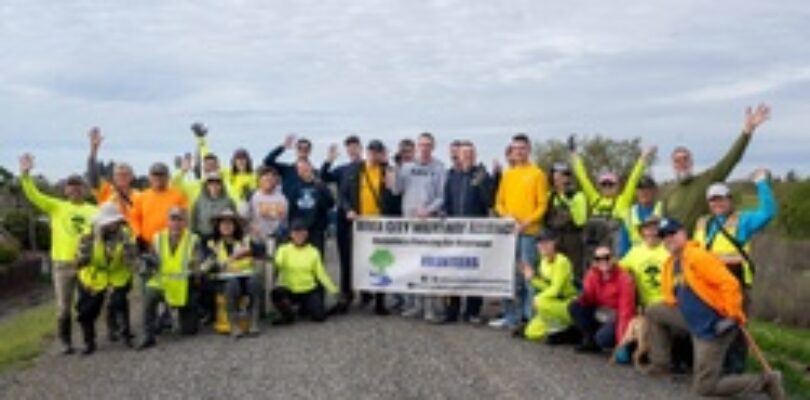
<point x="421" y="186"/>
<point x="206" y="208"/>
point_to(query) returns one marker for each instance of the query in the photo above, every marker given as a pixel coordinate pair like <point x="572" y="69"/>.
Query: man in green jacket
<point x="683" y="198"/>
<point x="70" y="221"/>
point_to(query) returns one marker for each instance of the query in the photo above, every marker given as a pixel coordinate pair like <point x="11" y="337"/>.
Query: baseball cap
<point x="213" y="176"/>
<point x="668" y="226"/>
<point x="718" y="190"/>
<point x="608" y="177"/>
<point x="546" y="235"/>
<point x="376" y="145"/>
<point x="647" y="182"/>
<point x="74" y="180"/>
<point x="561" y="167"/>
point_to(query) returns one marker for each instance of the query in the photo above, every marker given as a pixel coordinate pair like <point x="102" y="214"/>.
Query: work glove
<point x="199" y="129"/>
<point x="572" y="143"/>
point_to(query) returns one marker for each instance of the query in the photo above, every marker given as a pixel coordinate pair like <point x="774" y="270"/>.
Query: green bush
<point x="8" y="253"/>
<point x="794" y="209"/>
<point x="17" y="223"/>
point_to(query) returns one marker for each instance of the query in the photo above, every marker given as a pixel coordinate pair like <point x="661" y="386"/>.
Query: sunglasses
<point x="602" y="258"/>
<point x="607" y="184"/>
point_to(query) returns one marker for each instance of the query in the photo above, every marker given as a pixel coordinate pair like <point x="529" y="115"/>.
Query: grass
<point x="788" y="350"/>
<point x="23" y="336"/>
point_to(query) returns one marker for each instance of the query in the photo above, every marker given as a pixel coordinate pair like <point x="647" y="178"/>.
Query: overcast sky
<point x="673" y="72"/>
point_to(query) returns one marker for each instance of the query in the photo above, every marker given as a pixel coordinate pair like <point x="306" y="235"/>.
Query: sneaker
<point x="145" y="344"/>
<point x="412" y="313"/>
<point x="588" y="346"/>
<point x="500" y="323"/>
<point x="773" y="385"/>
<point x="89" y="348"/>
<point x="381" y="311"/>
<point x="475" y="320"/>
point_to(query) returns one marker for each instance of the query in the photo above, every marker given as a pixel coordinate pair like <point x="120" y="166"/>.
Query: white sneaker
<point x="413" y="312"/>
<point x="500" y="323"/>
<point x="430" y="316"/>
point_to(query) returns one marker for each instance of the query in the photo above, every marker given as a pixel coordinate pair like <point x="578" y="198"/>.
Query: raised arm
<point x="755" y="220"/>
<point x="271" y="160"/>
<point x="628" y="194"/>
<point x="584" y="180"/>
<point x="93" y="174"/>
<point x="753" y="119"/>
<point x="42" y="201"/>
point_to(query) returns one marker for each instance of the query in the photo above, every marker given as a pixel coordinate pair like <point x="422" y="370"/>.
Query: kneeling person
<point x="232" y="255"/>
<point x="105" y="258"/>
<point x="176" y="258"/>
<point x="554" y="283"/>
<point x="301" y="276"/>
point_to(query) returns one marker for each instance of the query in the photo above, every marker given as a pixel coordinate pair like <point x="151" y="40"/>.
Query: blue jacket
<point x="752" y="221"/>
<point x="468" y="193"/>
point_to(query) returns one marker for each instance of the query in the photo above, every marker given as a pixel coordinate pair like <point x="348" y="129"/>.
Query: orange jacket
<point x="709" y="278"/>
<point x="150" y="212"/>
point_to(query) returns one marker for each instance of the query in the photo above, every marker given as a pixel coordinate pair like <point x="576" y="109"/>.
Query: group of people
<point x="212" y="241"/>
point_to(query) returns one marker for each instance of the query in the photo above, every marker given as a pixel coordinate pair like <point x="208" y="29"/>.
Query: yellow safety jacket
<point x="102" y="271"/>
<point x="632" y="222"/>
<point x="241" y="265"/>
<point x="173" y="272"/>
<point x="722" y="246"/>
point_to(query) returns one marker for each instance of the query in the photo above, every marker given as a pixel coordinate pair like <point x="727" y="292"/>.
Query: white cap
<point x="108" y="214"/>
<point x="718" y="190"/>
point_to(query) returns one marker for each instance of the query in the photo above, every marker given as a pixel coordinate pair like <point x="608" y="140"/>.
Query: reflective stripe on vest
<point x="632" y="221"/>
<point x="720" y="245"/>
<point x="242" y="265"/>
<point x="102" y="272"/>
<point x="173" y="272"/>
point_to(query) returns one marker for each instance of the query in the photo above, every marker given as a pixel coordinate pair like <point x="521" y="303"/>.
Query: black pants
<point x="208" y="296"/>
<point x="584" y="317"/>
<point x="318" y="239"/>
<point x="188" y="315"/>
<point x="344" y="244"/>
<point x="471" y="309"/>
<point x="88" y="309"/>
<point x="309" y="303"/>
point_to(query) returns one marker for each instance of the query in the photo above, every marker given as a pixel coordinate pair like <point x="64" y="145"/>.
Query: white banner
<point x="464" y="257"/>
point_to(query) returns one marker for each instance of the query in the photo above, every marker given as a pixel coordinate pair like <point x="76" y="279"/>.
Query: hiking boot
<point x="587" y="346"/>
<point x="773" y="385"/>
<point x="146" y="343"/>
<point x="89" y="348"/>
<point x="381" y="311"/>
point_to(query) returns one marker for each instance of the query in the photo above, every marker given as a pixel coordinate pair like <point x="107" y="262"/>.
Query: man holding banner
<point x="468" y="192"/>
<point x="364" y="193"/>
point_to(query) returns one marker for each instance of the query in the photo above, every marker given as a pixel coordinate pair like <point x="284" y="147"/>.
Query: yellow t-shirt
<point x="646" y="263"/>
<point x="523" y="194"/>
<point x="370" y="179"/>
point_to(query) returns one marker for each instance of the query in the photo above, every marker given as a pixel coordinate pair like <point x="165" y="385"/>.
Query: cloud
<point x="672" y="72"/>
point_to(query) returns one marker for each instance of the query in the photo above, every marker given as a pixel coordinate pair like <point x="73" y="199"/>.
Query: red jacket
<point x="617" y="292"/>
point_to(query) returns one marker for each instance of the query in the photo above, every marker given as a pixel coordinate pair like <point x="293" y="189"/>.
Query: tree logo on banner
<point x="381" y="260"/>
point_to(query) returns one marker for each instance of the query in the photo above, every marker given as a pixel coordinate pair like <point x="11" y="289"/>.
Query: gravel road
<point x="348" y="357"/>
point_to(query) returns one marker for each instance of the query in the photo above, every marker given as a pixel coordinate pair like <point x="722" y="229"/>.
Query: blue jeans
<point x="584" y="317"/>
<point x="522" y="309"/>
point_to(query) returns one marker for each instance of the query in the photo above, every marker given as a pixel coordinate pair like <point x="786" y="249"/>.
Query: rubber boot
<point x="65" y="335"/>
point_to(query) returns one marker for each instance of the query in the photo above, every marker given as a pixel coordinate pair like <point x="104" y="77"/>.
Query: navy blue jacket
<point x="468" y="193"/>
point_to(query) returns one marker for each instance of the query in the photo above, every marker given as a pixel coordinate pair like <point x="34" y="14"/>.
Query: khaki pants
<point x="709" y="355"/>
<point x="64" y="286"/>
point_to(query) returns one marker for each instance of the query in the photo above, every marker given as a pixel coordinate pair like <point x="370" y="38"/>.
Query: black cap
<point x="647" y="182"/>
<point x="546" y="235"/>
<point x="668" y="226"/>
<point x="74" y="180"/>
<point x="375" y="145"/>
<point x="298" y="225"/>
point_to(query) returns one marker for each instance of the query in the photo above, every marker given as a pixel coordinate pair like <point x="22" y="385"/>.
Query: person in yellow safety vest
<point x="645" y="262"/>
<point x="232" y="261"/>
<point x="176" y="256"/>
<point x="302" y="279"/>
<point x="105" y="259"/>
<point x="70" y="220"/>
<point x="608" y="205"/>
<point x="553" y="281"/>
<point x="192" y="187"/>
<point x="566" y="215"/>
<point x="727" y="233"/>
<point x="240" y="178"/>
<point x="646" y="205"/>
